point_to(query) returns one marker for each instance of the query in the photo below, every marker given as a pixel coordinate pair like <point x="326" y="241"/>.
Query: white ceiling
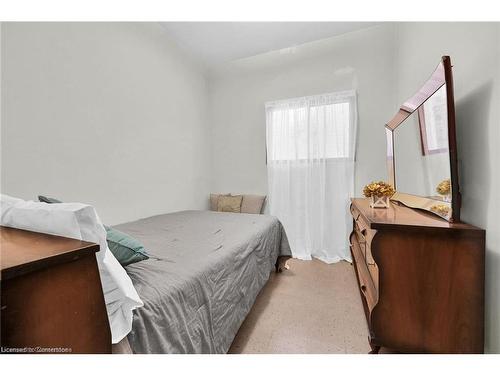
<point x="214" y="43"/>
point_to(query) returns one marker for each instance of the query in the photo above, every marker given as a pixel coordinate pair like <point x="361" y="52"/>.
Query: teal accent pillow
<point x="126" y="249"/>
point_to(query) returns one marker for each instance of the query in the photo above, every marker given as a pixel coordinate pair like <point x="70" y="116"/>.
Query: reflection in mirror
<point x="433" y="121"/>
<point x="421" y="155"/>
<point x="390" y="155"/>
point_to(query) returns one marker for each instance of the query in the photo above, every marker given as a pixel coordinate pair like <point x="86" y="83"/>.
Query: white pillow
<point x="80" y="221"/>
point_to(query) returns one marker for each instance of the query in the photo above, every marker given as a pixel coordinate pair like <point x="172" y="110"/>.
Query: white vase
<point x="379" y="201"/>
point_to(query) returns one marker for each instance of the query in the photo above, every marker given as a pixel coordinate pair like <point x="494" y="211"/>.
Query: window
<point x="310" y="149"/>
<point x="315" y="127"/>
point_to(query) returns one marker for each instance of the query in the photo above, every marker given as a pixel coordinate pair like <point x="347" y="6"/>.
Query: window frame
<point x="348" y="96"/>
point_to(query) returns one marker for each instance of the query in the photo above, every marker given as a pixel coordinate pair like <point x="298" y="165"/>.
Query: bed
<point x="205" y="271"/>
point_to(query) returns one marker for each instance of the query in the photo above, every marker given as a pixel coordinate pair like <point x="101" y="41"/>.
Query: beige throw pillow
<point x="214" y="200"/>
<point x="252" y="204"/>
<point x="230" y="203"/>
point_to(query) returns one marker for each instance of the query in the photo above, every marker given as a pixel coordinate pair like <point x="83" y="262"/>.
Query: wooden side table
<point x="51" y="295"/>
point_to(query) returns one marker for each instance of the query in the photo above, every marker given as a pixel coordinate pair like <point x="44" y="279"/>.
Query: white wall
<point x="361" y="60"/>
<point x="111" y="114"/>
<point x="474" y="51"/>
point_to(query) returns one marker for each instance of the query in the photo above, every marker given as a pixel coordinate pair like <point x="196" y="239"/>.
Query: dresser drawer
<point x="354" y="212"/>
<point x="362" y="250"/>
<point x="372" y="267"/>
<point x="365" y="236"/>
<point x="366" y="283"/>
<point x="361" y="241"/>
<point x="360" y="221"/>
<point x="363" y="228"/>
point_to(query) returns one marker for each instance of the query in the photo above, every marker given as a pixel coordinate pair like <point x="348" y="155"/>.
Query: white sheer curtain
<point x="310" y="162"/>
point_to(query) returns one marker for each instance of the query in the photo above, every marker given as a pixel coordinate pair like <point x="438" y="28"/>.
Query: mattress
<point x="205" y="271"/>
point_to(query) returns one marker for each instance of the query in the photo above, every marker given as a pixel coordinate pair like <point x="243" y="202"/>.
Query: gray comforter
<point x="202" y="279"/>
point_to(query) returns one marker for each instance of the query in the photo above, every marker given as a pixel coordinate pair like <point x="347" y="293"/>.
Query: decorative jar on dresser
<point x="421" y="279"/>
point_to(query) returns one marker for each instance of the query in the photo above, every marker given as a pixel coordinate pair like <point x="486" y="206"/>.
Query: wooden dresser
<point x="51" y="295"/>
<point x="421" y="279"/>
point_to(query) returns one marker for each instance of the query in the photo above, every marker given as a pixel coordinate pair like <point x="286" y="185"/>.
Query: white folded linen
<point x="80" y="221"/>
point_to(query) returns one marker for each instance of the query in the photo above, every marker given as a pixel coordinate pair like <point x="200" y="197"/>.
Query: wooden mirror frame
<point x="441" y="76"/>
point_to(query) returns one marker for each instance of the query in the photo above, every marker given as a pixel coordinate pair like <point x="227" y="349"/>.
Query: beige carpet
<point x="313" y="307"/>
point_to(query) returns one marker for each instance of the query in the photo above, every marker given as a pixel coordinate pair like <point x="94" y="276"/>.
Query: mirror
<point x="420" y="157"/>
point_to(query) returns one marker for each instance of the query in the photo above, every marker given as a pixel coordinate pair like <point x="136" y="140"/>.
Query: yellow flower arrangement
<point x="378" y="189"/>
<point x="444" y="187"/>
